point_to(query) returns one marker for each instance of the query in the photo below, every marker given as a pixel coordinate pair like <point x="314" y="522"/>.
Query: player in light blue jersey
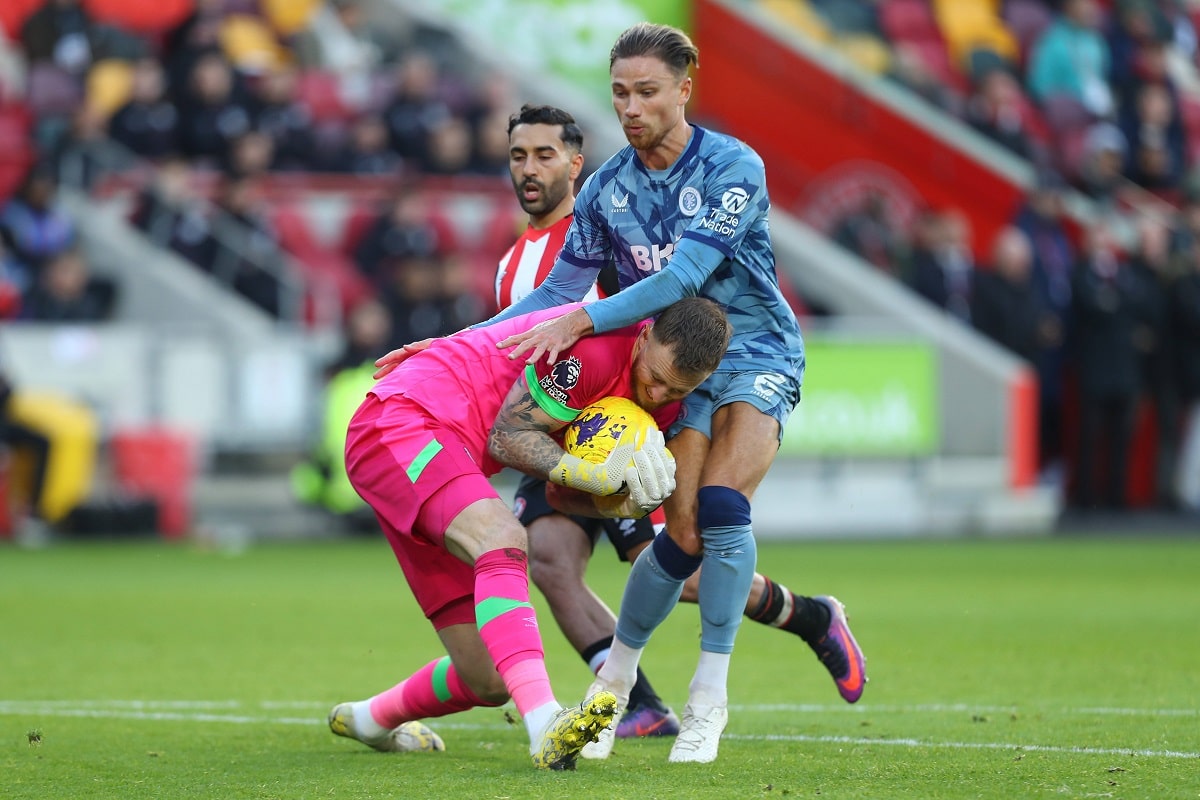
<point x="683" y="211"/>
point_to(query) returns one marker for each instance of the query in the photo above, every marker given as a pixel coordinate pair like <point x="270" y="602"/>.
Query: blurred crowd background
<point x="206" y="115"/>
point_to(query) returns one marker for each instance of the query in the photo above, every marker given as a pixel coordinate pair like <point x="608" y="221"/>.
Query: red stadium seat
<point x="907" y="20"/>
<point x="320" y="93"/>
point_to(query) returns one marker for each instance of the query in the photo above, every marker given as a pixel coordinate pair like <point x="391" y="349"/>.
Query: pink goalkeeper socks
<point x="432" y="691"/>
<point x="508" y="626"/>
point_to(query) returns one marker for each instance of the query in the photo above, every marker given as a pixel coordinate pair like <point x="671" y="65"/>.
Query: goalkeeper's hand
<point x="649" y="481"/>
<point x="605" y="478"/>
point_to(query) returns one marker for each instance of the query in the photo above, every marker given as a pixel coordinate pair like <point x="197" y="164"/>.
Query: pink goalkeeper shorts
<point x="417" y="477"/>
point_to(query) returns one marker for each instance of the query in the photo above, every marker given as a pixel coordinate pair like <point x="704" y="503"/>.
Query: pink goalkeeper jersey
<point x="462" y="380"/>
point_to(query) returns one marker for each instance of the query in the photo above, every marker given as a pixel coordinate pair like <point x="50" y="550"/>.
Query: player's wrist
<point x="576" y="473"/>
<point x="581" y="323"/>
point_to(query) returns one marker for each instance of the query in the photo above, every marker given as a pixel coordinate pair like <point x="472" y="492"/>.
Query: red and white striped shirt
<point x="528" y="262"/>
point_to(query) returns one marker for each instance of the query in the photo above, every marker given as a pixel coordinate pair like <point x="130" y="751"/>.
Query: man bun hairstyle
<point x="669" y="45"/>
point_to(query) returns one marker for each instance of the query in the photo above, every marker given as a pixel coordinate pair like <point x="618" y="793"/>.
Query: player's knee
<point x="721" y="507"/>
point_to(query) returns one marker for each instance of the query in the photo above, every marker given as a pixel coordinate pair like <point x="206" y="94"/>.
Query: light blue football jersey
<point x="697" y="228"/>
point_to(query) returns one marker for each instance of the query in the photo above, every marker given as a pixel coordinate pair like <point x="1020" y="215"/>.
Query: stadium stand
<point x="254" y="195"/>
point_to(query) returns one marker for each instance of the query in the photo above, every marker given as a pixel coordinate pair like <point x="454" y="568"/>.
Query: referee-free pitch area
<point x="1056" y="668"/>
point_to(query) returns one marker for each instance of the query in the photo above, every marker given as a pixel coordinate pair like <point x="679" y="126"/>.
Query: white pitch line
<point x="145" y="710"/>
<point x="918" y="743"/>
<point x="793" y="708"/>
<point x="962" y="708"/>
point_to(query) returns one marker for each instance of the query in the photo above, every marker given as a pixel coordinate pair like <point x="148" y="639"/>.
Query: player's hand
<point x="393" y="359"/>
<point x="651" y="479"/>
<point x="548" y="338"/>
<point x="607" y="477"/>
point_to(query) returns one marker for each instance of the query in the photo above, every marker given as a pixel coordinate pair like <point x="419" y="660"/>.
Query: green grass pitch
<point x="1065" y="667"/>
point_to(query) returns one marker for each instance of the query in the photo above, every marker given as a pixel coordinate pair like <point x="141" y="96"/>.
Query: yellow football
<point x="593" y="434"/>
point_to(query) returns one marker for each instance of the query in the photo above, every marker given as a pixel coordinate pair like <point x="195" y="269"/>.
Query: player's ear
<point x="576" y="165"/>
<point x="685" y="90"/>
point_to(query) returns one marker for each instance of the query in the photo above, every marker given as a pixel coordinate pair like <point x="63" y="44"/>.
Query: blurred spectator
<point x="942" y="268"/>
<point x="401" y="233"/>
<point x="61" y="33"/>
<point x="278" y="114"/>
<point x="1005" y="305"/>
<point x="1104" y="316"/>
<point x="427" y="296"/>
<point x="1153" y="127"/>
<point x="1102" y="168"/>
<point x="13" y="283"/>
<point x="86" y="152"/>
<point x="197" y="36"/>
<point x="416" y="108"/>
<point x="490" y="153"/>
<point x="1041" y="218"/>
<point x="320" y="479"/>
<point x="908" y="69"/>
<point x="250" y="155"/>
<point x="1185" y="332"/>
<point x="248" y="256"/>
<point x="66" y="291"/>
<point x="870" y="233"/>
<point x="174" y="215"/>
<point x="450" y="149"/>
<point x="366" y="150"/>
<point x="1150" y="265"/>
<point x="855" y="16"/>
<point x="147" y="124"/>
<point x="211" y="115"/>
<point x="1071" y="59"/>
<point x="36" y="228"/>
<point x="1134" y="24"/>
<point x="340" y="39"/>
<point x="367" y="334"/>
<point x="13" y="435"/>
<point x="13" y="69"/>
<point x="998" y="110"/>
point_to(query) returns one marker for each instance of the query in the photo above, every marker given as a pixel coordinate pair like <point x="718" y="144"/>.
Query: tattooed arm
<point x="521" y="435"/>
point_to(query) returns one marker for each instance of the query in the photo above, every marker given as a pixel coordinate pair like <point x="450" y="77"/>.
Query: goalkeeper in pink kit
<point x="420" y="451"/>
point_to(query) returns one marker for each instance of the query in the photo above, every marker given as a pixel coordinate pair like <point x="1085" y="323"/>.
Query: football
<point x="593" y="434"/>
<point x="416" y="737"/>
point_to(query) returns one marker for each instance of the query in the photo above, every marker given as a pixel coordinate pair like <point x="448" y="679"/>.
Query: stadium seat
<point x="907" y="20"/>
<point x="289" y="17"/>
<point x="320" y="93"/>
<point x="800" y="17"/>
<point x="1026" y="19"/>
<point x="969" y="25"/>
<point x="74" y="432"/>
<point x="251" y="45"/>
<point x="866" y="51"/>
<point x="1189" y="109"/>
<point x="17" y="154"/>
<point x="320" y="264"/>
<point x="109" y="84"/>
<point x="158" y="464"/>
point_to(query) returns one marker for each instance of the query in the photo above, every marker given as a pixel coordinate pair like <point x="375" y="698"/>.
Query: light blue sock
<point x="653" y="589"/>
<point x="730" y="557"/>
<point x="727" y="572"/>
